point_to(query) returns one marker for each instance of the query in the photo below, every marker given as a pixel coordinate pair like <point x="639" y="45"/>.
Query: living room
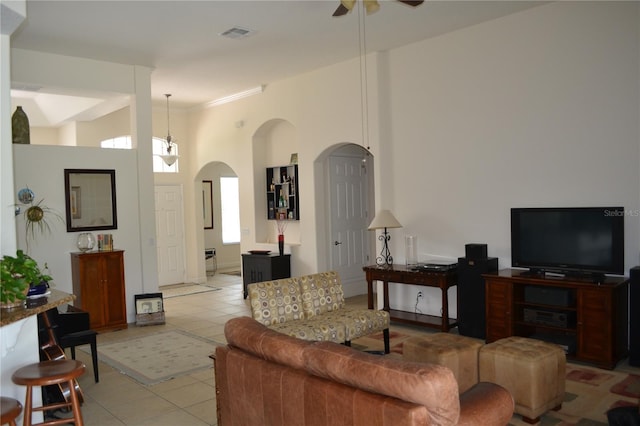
<point x="537" y="108"/>
<point x="515" y="112"/>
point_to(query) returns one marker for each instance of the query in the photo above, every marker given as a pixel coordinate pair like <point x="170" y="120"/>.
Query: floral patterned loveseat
<point x="312" y="307"/>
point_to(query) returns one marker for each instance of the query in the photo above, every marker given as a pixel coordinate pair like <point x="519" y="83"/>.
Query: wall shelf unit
<point x="283" y="202"/>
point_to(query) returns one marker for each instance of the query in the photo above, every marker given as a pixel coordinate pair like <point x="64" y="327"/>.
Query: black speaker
<point x="475" y="251"/>
<point x="634" y="316"/>
<point x="471" y="295"/>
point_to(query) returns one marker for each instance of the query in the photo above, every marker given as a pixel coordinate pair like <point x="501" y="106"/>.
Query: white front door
<point x="349" y="200"/>
<point x="170" y="234"/>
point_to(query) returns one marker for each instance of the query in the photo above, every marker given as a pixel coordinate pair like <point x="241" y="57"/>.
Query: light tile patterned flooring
<point x="187" y="400"/>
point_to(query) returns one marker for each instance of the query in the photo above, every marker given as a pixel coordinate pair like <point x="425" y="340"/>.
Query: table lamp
<point x="384" y="220"/>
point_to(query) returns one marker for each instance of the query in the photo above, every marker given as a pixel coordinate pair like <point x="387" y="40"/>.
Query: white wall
<point x="539" y="108"/>
<point x="79" y="74"/>
<point x="535" y="109"/>
<point x="41" y="168"/>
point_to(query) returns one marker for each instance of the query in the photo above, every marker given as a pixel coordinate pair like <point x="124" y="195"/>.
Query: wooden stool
<point x="62" y="373"/>
<point x="11" y="409"/>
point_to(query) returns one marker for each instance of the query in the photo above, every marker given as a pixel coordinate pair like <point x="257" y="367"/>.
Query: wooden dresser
<point x="98" y="284"/>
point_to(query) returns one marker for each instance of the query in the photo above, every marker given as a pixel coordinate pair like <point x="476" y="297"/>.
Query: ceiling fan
<point x="371" y="6"/>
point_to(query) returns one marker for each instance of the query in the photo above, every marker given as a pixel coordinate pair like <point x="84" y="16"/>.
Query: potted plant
<point x="17" y="275"/>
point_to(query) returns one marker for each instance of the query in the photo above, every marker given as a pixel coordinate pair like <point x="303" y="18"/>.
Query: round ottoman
<point x="532" y="370"/>
<point x="458" y="353"/>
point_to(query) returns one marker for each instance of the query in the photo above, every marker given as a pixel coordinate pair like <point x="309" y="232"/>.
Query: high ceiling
<point x="181" y="41"/>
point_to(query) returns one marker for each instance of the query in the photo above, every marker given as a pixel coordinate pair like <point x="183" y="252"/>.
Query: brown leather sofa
<point x="267" y="378"/>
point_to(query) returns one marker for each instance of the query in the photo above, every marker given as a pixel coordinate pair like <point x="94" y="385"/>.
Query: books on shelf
<point x="105" y="242"/>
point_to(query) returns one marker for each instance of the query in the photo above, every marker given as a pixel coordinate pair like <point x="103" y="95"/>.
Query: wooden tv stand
<point x="589" y="319"/>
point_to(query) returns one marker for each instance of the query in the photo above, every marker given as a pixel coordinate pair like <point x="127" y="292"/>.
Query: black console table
<point x="264" y="267"/>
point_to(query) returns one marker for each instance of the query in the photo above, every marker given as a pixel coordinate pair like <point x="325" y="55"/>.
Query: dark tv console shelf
<point x="589" y="320"/>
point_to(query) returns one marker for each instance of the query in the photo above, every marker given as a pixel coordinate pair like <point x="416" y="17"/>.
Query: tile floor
<point x="187" y="400"/>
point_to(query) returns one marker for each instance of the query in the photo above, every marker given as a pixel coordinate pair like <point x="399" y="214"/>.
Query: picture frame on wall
<point x="207" y="203"/>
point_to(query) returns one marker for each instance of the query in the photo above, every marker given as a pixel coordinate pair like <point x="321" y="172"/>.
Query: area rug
<point x="177" y="290"/>
<point x="589" y="392"/>
<point x="155" y="358"/>
<point x="234" y="273"/>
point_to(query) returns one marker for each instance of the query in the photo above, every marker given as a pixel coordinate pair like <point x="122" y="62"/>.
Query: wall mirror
<point x="90" y="198"/>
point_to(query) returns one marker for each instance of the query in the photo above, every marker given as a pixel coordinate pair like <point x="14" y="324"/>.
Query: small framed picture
<point x="294" y="158"/>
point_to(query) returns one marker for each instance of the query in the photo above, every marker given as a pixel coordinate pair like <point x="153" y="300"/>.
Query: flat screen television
<point x="568" y="240"/>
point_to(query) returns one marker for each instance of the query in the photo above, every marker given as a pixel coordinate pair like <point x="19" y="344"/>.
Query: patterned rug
<point x="176" y="290"/>
<point x="159" y="357"/>
<point x="590" y="392"/>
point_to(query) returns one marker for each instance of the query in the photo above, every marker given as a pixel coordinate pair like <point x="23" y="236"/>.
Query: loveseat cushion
<point x="359" y="322"/>
<point x="249" y="335"/>
<point x="315" y="329"/>
<point x="276" y="302"/>
<point x="430" y="385"/>
<point x="321" y="293"/>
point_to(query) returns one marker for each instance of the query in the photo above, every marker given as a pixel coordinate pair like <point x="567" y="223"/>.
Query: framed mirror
<point x="90" y="199"/>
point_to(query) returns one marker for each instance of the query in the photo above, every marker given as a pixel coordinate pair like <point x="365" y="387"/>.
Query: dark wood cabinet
<point x="264" y="267"/>
<point x="98" y="284"/>
<point x="499" y="310"/>
<point x="589" y="320"/>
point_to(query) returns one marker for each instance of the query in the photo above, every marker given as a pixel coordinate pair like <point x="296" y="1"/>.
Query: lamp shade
<point x="384" y="219"/>
<point x="169" y="159"/>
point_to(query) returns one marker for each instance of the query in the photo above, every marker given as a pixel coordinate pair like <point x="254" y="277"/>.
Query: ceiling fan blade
<point x="341" y="10"/>
<point x="413" y="3"/>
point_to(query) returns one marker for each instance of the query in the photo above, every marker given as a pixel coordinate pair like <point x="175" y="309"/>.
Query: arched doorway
<point x="211" y="204"/>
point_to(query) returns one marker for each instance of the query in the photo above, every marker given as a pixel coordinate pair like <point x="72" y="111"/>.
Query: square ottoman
<point x="532" y="370"/>
<point x="458" y="353"/>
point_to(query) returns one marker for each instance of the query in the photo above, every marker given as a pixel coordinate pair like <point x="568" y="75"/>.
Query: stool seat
<point x="458" y="353"/>
<point x="533" y="372"/>
<point x="61" y="372"/>
<point x="10" y="409"/>
<point x="48" y="372"/>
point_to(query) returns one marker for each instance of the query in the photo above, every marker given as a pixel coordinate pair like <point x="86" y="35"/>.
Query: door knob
<point x="337" y="243"/>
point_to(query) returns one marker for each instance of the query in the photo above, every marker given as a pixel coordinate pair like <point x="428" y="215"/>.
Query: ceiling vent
<point x="237" y="32"/>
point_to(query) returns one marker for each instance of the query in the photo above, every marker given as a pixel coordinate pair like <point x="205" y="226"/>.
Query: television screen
<point x="566" y="240"/>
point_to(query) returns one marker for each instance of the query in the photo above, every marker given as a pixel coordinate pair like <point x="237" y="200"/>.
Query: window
<point x="160" y="148"/>
<point x="120" y="142"/>
<point x="230" y="203"/>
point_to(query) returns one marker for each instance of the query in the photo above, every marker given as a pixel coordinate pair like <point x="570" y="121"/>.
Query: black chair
<point x="71" y="329"/>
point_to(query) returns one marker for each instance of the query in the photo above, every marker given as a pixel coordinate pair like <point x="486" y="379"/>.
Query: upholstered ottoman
<point x="458" y="353"/>
<point x="532" y="370"/>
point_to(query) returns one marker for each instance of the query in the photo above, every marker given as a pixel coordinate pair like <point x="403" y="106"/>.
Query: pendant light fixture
<point x="169" y="158"/>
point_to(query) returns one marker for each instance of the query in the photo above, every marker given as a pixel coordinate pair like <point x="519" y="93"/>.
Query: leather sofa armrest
<point x="486" y="404"/>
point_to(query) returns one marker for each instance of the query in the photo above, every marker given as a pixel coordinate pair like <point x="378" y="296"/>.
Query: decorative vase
<point x="281" y="243"/>
<point x="20" y="127"/>
<point x="86" y="241"/>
